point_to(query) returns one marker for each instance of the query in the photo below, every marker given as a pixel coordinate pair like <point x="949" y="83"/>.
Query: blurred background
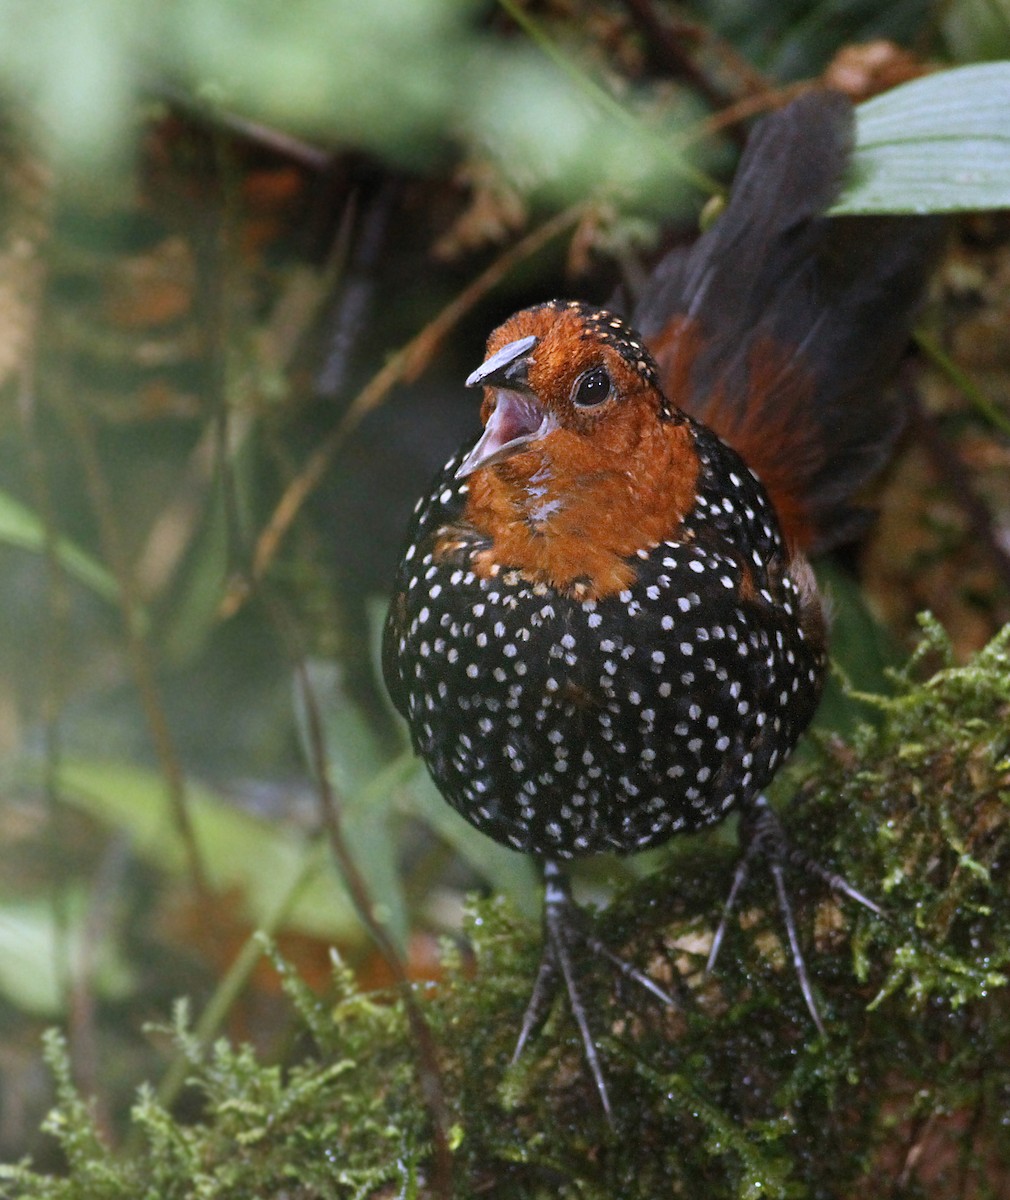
<point x="248" y="253"/>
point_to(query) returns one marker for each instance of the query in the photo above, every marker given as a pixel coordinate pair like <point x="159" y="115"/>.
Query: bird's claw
<point x="564" y="934"/>
<point x="762" y="835"/>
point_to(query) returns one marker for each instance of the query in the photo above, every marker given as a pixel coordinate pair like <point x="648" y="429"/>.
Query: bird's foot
<point x="564" y="936"/>
<point x="762" y="835"/>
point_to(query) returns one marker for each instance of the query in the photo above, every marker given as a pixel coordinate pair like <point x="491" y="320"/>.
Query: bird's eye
<point x="592" y="388"/>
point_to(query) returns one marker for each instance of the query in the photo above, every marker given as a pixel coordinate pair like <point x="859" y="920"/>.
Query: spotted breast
<point x="564" y="706"/>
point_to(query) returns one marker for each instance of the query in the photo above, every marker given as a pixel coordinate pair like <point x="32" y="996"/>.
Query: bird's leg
<point x="561" y="933"/>
<point x="762" y="835"/>
<point x="564" y="934"/>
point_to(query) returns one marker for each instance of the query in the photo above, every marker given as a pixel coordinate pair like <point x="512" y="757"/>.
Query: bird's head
<point x="583" y="463"/>
<point x="567" y="379"/>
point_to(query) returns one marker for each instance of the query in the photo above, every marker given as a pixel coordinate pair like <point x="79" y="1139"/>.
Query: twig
<point x="962" y="381"/>
<point x="138" y="651"/>
<point x="277" y="141"/>
<point x="920" y="1135"/>
<point x="429" y="1070"/>
<point x="403" y="366"/>
<point x="52" y="672"/>
<point x="103" y="892"/>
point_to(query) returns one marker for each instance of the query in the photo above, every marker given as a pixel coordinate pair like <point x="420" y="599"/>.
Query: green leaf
<point x="937" y="144"/>
<point x="20" y="527"/>
<point x="31" y="945"/>
<point x="262" y="860"/>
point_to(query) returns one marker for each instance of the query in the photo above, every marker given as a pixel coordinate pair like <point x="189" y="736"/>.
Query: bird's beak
<point x="517" y="418"/>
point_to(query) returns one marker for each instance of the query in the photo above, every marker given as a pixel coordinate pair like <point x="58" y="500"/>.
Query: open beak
<point x="517" y="418"/>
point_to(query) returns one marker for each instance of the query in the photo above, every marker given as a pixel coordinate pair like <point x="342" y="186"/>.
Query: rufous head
<point x="558" y="375"/>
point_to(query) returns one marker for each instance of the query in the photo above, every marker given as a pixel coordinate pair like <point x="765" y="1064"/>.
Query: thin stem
<point x="962" y="381"/>
<point x="429" y="1070"/>
<point x="403" y="366"/>
<point x="138" y="649"/>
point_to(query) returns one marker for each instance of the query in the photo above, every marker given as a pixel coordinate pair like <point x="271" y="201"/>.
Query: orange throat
<point x="573" y="514"/>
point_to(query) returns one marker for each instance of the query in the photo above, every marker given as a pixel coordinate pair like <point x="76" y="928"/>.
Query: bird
<point x="605" y="630"/>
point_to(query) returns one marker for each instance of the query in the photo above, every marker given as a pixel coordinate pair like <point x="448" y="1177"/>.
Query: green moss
<point x="732" y="1094"/>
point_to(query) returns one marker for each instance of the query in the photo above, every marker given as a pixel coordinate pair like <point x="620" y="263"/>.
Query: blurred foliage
<point x="333" y="71"/>
<point x="248" y="252"/>
<point x="731" y="1095"/>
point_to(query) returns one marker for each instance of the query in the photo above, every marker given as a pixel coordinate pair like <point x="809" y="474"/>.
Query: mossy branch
<point x="730" y="1095"/>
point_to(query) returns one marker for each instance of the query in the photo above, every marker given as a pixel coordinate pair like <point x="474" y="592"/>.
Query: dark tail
<point x="778" y="327"/>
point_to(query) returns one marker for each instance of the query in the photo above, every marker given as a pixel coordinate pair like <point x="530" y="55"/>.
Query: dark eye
<point x="592" y="388"/>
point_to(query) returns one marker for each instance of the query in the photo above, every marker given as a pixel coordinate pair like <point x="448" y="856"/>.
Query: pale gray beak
<point x="518" y="418"/>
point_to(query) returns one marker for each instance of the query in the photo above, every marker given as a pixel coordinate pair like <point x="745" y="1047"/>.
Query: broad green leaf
<point x="31" y="970"/>
<point x="19" y="526"/>
<point x="355" y="762"/>
<point x="937" y="144"/>
<point x="262" y="860"/>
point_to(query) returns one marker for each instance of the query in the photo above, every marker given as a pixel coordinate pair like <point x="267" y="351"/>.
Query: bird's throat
<point x="578" y="524"/>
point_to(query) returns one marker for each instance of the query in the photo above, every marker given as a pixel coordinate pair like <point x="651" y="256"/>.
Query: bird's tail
<point x="778" y="327"/>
